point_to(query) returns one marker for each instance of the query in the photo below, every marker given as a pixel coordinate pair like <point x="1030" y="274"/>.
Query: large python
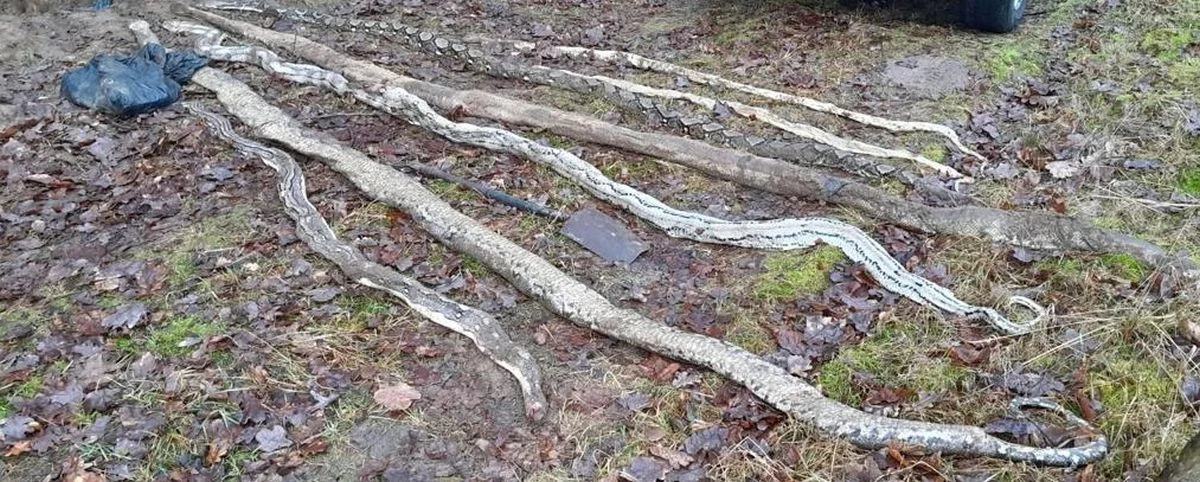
<point x="483" y="329"/>
<point x="492" y="58"/>
<point x="583" y="306"/>
<point x="779" y="234"/>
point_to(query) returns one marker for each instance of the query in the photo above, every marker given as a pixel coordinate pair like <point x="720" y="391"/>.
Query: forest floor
<point x="159" y="319"/>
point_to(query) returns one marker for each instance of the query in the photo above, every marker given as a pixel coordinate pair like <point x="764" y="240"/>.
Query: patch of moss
<point x="1124" y="265"/>
<point x="1128" y="385"/>
<point x="165" y="340"/>
<point x="837" y="382"/>
<point x="893" y="186"/>
<point x="1189" y="180"/>
<point x="742" y="32"/>
<point x="128" y="345"/>
<point x="364" y="305"/>
<point x="1007" y="62"/>
<point x="934" y="152"/>
<point x="110" y="302"/>
<point x="222" y="358"/>
<point x="888" y="356"/>
<point x="937" y="376"/>
<point x="1061" y="267"/>
<point x="181" y="268"/>
<point x="1109" y="222"/>
<point x="791" y="274"/>
<point x="558" y="142"/>
<point x="1166" y="44"/>
<point x="5" y="408"/>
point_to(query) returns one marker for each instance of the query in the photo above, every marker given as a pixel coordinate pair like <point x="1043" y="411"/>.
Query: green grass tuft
<point x="165" y="340"/>
<point x="1166" y="44"/>
<point x="1124" y="265"/>
<point x="1008" y="62"/>
<point x="793" y="274"/>
<point x="1189" y="180"/>
<point x="837" y="382"/>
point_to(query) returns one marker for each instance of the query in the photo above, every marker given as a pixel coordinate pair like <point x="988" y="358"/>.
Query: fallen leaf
<point x="1062" y="169"/>
<point x="18" y="448"/>
<point x="1142" y="164"/>
<point x="676" y="458"/>
<point x="1189" y="329"/>
<point x="397" y="397"/>
<point x="324" y="295"/>
<point x="127" y="317"/>
<point x="966" y="355"/>
<point x="644" y="469"/>
<point x="272" y="439"/>
<point x="1192" y="125"/>
<point x="634" y="401"/>
<point x="217" y="449"/>
<point x="1032" y="384"/>
<point x="18" y="427"/>
<point x="709" y="439"/>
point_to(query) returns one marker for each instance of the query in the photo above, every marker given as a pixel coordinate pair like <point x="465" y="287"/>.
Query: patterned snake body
<point x="568" y="297"/>
<point x="487" y="334"/>
<point x="492" y="58"/>
<point x="779" y="234"/>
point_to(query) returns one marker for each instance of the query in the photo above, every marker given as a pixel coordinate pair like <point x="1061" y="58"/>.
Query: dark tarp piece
<point x="124" y="85"/>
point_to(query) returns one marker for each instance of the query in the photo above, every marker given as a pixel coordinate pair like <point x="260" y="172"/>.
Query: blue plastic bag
<point x="130" y="85"/>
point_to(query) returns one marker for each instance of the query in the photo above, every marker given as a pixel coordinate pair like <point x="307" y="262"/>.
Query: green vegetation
<point x="164" y="340"/>
<point x="837" y="382"/>
<point x="451" y="191"/>
<point x="1124" y="265"/>
<point x="1166" y="44"/>
<point x="30" y="388"/>
<point x="473" y="266"/>
<point x="894" y="357"/>
<point x="1017" y="59"/>
<point x="746" y="332"/>
<point x="792" y="274"/>
<point x="934" y="152"/>
<point x="1189" y="180"/>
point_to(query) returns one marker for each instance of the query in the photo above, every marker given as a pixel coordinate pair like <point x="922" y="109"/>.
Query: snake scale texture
<point x="492" y="58"/>
<point x="778" y="234"/>
<point x="576" y="302"/>
<point x="478" y="325"/>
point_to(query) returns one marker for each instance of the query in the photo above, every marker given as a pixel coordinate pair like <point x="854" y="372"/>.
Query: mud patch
<point x="928" y="76"/>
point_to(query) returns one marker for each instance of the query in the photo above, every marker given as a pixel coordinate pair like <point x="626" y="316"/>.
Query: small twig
<point x="1152" y="204"/>
<point x="322" y="401"/>
<point x="488" y="192"/>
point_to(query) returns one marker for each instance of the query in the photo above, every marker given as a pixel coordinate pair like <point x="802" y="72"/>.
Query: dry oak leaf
<point x="397" y="397"/>
<point x="19" y="448"/>
<point x="676" y="458"/>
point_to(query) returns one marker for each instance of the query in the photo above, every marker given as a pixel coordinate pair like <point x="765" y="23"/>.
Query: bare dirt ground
<point x="159" y="320"/>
